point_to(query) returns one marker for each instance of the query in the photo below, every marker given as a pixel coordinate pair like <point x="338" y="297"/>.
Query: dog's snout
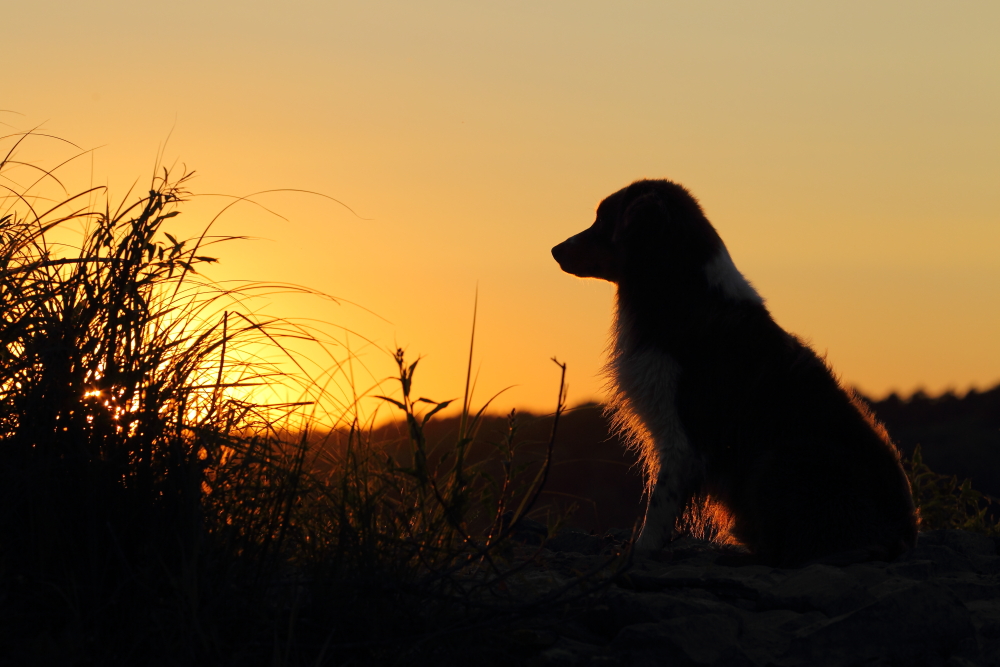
<point x="559" y="251"/>
<point x="563" y="252"/>
<point x="581" y="256"/>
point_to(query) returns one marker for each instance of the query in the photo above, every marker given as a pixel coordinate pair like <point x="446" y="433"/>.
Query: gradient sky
<point x="848" y="153"/>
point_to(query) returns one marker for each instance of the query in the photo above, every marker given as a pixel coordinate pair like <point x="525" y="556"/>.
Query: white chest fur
<point x="643" y="383"/>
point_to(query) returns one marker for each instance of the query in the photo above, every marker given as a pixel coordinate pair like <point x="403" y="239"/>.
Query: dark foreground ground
<point x="703" y="605"/>
<point x="939" y="604"/>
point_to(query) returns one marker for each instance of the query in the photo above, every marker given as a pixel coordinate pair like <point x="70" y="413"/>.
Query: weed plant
<point x="944" y="502"/>
<point x="154" y="510"/>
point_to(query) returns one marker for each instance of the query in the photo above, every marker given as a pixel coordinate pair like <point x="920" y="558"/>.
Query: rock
<point x="938" y="604"/>
<point x="768" y="634"/>
<point x="978" y="551"/>
<point x="970" y="587"/>
<point x="692" y="551"/>
<point x="986" y="619"/>
<point x="944" y="559"/>
<point x="823" y="588"/>
<point x="912" y="623"/>
<point x="624" y="608"/>
<point x="575" y="541"/>
<point x="960" y="541"/>
<point x="571" y="653"/>
<point x="913" y="569"/>
<point x="732" y="583"/>
<point x="868" y="574"/>
<point x="526" y="531"/>
<point x="703" y="639"/>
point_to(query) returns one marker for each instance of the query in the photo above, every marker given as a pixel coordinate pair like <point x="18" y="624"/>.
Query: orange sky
<point x="849" y="155"/>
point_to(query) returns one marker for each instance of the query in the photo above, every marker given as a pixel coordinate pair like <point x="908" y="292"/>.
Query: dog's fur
<point x="723" y="403"/>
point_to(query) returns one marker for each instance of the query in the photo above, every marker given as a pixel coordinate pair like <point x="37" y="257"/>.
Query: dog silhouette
<point x="723" y="404"/>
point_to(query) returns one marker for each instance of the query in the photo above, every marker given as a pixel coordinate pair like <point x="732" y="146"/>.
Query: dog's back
<point x="724" y="402"/>
<point x="799" y="462"/>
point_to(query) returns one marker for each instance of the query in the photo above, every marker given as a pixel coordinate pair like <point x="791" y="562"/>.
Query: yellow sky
<point x="849" y="155"/>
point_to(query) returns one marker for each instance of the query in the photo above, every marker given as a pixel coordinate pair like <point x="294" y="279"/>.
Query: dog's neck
<point x="646" y="317"/>
<point x="681" y="324"/>
<point x="671" y="305"/>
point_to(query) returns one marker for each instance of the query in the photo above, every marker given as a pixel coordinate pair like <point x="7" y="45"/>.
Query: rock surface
<point x="701" y="604"/>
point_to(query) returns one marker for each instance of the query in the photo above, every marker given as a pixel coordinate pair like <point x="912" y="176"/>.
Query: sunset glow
<point x="848" y="154"/>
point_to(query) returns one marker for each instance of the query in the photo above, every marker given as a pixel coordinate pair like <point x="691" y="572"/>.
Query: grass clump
<point x="154" y="509"/>
<point x="944" y="502"/>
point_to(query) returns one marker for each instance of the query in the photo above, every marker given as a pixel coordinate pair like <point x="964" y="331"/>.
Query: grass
<point x="155" y="510"/>
<point x="945" y="503"/>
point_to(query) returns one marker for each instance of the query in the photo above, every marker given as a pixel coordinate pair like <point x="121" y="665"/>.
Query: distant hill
<point x="958" y="435"/>
<point x="592" y="468"/>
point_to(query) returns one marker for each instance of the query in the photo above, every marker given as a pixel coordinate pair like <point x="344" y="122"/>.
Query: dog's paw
<point x="649" y="543"/>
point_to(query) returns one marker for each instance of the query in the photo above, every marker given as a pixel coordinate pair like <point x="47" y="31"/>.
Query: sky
<point x="848" y="153"/>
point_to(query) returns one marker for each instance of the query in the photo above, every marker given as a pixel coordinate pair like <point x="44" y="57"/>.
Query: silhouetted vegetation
<point x="944" y="502"/>
<point x="595" y="482"/>
<point x="157" y="508"/>
<point x="952" y="448"/>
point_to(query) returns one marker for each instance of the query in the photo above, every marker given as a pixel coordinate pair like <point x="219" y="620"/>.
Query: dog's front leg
<point x="673" y="488"/>
<point x="662" y="509"/>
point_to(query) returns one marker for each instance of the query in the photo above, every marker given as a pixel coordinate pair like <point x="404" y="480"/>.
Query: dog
<point x="723" y="404"/>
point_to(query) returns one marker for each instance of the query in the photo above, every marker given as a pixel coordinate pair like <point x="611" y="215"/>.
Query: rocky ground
<point x="700" y="604"/>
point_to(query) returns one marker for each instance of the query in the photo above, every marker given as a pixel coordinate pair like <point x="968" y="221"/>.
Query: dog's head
<point x="643" y="226"/>
<point x="651" y="232"/>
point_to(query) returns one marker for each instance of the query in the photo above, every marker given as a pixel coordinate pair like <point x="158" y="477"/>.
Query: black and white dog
<point x="722" y="402"/>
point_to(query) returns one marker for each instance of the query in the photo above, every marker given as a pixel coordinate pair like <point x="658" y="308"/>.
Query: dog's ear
<point x="643" y="216"/>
